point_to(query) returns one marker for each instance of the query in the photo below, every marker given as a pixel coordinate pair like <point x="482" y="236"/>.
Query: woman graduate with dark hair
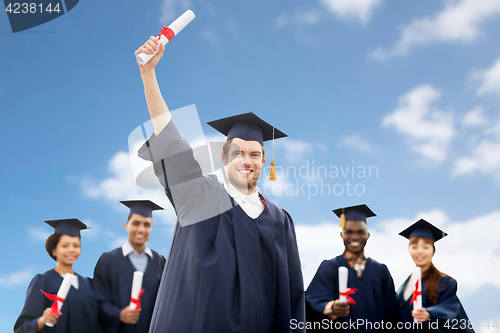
<point x="441" y="309"/>
<point x="41" y="312"/>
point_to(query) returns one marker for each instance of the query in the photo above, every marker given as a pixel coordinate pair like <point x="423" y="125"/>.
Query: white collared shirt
<point x="140" y="261"/>
<point x="251" y="204"/>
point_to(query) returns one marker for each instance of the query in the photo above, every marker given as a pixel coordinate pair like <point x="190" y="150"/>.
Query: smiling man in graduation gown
<point x="114" y="273"/>
<point x="233" y="264"/>
<point x="374" y="299"/>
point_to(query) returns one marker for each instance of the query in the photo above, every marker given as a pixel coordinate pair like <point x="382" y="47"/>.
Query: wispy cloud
<point x="171" y="9"/>
<point x="39" y="235"/>
<point x="475" y="117"/>
<point x="427" y="130"/>
<point x="484" y="153"/>
<point x="210" y="37"/>
<point x="459" y="21"/>
<point x="120" y="185"/>
<point x="298" y="18"/>
<point x="355" y="141"/>
<point x="295" y="150"/>
<point x="16" y="278"/>
<point x="361" y="10"/>
<point x="488" y="79"/>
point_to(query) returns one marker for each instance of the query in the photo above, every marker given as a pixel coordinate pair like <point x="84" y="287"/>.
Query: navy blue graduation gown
<point x="113" y="275"/>
<point x="229" y="272"/>
<point x="447" y="307"/>
<point x="79" y="311"/>
<point x="375" y="297"/>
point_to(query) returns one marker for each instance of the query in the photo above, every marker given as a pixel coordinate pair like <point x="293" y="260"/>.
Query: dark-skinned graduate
<point x="441" y="309"/>
<point x="114" y="272"/>
<point x="371" y="301"/>
<point x="78" y="312"/>
<point x="233" y="265"/>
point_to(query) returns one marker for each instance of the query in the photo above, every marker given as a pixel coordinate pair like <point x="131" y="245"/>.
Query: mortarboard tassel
<point x="342" y="219"/>
<point x="272" y="173"/>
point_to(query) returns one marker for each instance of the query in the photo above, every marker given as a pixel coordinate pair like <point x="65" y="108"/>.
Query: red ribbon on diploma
<point x="349" y="291"/>
<point x="167" y="32"/>
<point x="137" y="301"/>
<point x="416" y="293"/>
<point x="54" y="309"/>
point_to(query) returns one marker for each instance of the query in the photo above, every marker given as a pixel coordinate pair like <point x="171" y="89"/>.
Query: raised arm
<point x="158" y="110"/>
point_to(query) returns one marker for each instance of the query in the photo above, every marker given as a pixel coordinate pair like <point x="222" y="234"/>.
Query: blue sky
<point x="409" y="90"/>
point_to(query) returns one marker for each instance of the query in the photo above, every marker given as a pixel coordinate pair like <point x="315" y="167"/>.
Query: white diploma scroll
<point x="136" y="288"/>
<point x="68" y="281"/>
<point x="174" y="28"/>
<point x="417" y="278"/>
<point x="343" y="283"/>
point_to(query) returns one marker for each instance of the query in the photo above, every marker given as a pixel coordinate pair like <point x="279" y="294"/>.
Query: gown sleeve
<point x="108" y="312"/>
<point x="297" y="298"/>
<point x="34" y="306"/>
<point x="389" y="296"/>
<point x="448" y="305"/>
<point x="321" y="289"/>
<point x="194" y="197"/>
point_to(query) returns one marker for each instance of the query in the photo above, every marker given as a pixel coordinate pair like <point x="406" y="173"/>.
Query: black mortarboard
<point x="142" y="207"/>
<point x="70" y="227"/>
<point x="424" y="229"/>
<point x="353" y="213"/>
<point x="248" y="127"/>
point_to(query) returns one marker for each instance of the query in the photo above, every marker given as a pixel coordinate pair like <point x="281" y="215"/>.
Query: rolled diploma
<point x="343" y="283"/>
<point x="176" y="27"/>
<point x="136" y="288"/>
<point x="63" y="291"/>
<point x="417" y="274"/>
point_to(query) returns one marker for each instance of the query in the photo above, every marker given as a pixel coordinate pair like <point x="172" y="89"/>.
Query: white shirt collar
<point x="127" y="249"/>
<point x="234" y="193"/>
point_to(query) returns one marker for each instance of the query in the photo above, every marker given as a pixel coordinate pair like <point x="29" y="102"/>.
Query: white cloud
<point x="475" y="118"/>
<point x="16" y="278"/>
<point x="459" y="21"/>
<point x="489" y="80"/>
<point x="295" y="150"/>
<point x="428" y="131"/>
<point x="120" y="185"/>
<point x="466" y="240"/>
<point x="355" y="141"/>
<point x="39" y="235"/>
<point x="172" y="9"/>
<point x="348" y="9"/>
<point x="484" y="154"/>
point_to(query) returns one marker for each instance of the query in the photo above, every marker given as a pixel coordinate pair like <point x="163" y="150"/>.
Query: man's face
<point x="139" y="228"/>
<point x="355" y="235"/>
<point x="244" y="164"/>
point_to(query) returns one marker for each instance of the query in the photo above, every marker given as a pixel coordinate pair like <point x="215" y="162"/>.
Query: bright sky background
<point x="407" y="89"/>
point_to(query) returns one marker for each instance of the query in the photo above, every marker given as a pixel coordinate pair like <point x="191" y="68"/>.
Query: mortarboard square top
<point x="142" y="207"/>
<point x="248" y="127"/>
<point x="355" y="213"/>
<point x="424" y="229"/>
<point x="70" y="227"/>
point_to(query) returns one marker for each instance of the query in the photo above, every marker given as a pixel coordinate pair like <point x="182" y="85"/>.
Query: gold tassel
<point x="272" y="173"/>
<point x="342" y="219"/>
